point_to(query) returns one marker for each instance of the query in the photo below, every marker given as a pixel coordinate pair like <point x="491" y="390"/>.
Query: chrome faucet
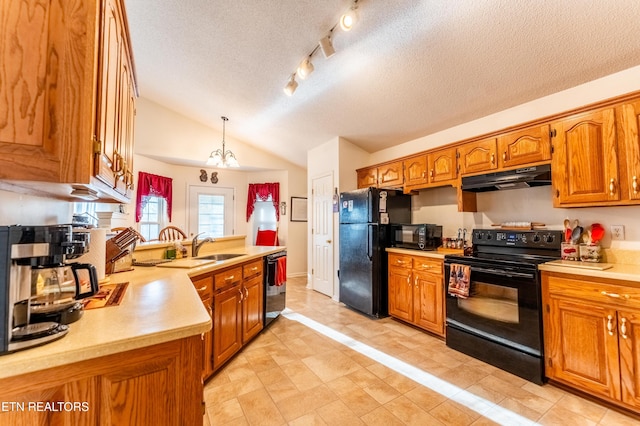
<point x="196" y="245"/>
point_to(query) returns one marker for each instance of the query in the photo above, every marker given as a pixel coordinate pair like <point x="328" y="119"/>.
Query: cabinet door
<point x="252" y="308"/>
<point x="630" y="138"/>
<point x="585" y="159"/>
<point x="107" y="124"/>
<point x="442" y="166"/>
<point x="477" y="156"/>
<point x="526" y="146"/>
<point x="428" y="299"/>
<point x="415" y="170"/>
<point x="390" y="175"/>
<point x="400" y="293"/>
<point x="629" y="341"/>
<point x="227" y="324"/>
<point x="581" y="346"/>
<point x="126" y="114"/>
<point x="368" y="177"/>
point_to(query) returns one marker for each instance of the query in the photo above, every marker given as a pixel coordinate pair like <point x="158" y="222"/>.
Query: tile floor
<point x="351" y="370"/>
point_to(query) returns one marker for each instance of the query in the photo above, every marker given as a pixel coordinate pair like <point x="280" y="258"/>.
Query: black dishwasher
<point x="275" y="285"/>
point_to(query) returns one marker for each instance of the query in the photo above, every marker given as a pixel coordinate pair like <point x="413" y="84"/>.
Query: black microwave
<point x="423" y="236"/>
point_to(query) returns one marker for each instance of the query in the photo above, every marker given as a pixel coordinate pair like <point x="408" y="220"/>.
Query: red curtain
<point x="262" y="191"/>
<point x="155" y="185"/>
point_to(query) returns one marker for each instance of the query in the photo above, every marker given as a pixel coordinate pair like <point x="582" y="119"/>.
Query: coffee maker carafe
<point x="38" y="291"/>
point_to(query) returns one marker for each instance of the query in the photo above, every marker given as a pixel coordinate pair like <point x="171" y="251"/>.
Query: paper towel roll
<point x="97" y="251"/>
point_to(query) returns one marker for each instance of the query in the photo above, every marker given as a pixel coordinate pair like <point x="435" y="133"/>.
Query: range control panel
<point x="505" y="238"/>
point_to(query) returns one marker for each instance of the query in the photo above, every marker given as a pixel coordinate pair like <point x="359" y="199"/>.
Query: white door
<point x="322" y="276"/>
<point x="211" y="210"/>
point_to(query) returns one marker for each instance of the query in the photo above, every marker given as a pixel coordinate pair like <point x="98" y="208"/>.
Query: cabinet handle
<point x="634" y="185"/>
<point x="424" y="266"/>
<point x="202" y="288"/>
<point x="623" y="328"/>
<point x="614" y="295"/>
<point x="246" y="293"/>
<point x="612" y="186"/>
<point x="229" y="278"/>
<point x="409" y="280"/>
<point x="610" y="324"/>
<point x="493" y="158"/>
<point x="254" y="269"/>
<point x="431" y="173"/>
<point x="504" y="156"/>
<point x="241" y="296"/>
<point x="415" y="281"/>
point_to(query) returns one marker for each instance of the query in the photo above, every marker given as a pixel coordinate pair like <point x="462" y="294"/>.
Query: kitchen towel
<point x="459" y="280"/>
<point x="281" y="271"/>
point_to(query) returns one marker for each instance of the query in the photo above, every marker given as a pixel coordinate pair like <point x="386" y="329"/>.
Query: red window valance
<point x="261" y="191"/>
<point x="153" y="185"/>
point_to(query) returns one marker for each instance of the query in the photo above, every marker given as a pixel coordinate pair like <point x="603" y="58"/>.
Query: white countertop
<point x="617" y="271"/>
<point x="160" y="305"/>
<point x="436" y="254"/>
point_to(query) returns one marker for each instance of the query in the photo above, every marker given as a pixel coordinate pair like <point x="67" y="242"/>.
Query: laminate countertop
<point x="613" y="271"/>
<point x="435" y="254"/>
<point x="159" y="305"/>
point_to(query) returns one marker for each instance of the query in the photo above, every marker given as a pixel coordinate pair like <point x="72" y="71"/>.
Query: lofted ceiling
<point x="409" y="68"/>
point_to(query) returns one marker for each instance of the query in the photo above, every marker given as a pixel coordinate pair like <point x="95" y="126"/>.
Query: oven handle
<point x="502" y="273"/>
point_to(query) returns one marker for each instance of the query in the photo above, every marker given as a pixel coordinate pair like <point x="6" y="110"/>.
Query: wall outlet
<point x="617" y="232"/>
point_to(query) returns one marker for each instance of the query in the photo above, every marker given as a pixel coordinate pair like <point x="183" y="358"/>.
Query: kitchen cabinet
<point x="415" y="171"/>
<point x="477" y="156"/>
<point x="71" y="99"/>
<point x="238" y="306"/>
<point x="585" y="159"/>
<point x="155" y="385"/>
<point x="629" y="141"/>
<point x="531" y="145"/>
<point x="442" y="168"/>
<point x="388" y="175"/>
<point x="592" y="336"/>
<point x="416" y="291"/>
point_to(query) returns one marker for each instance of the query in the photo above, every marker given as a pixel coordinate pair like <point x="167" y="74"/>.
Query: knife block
<point x="118" y="247"/>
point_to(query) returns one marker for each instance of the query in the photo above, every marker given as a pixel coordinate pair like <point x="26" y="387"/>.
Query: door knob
<point x="328" y="241"/>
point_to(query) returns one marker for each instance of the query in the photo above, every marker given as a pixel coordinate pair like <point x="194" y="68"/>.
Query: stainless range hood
<point x="511" y="179"/>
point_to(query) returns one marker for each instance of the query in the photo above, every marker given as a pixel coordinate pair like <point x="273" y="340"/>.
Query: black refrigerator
<point x="365" y="233"/>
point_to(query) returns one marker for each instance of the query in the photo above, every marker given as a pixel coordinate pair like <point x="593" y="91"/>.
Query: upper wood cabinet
<point x="629" y="143"/>
<point x="387" y="175"/>
<point x="526" y="146"/>
<point x="58" y="96"/>
<point x="415" y="170"/>
<point x="442" y="166"/>
<point x="478" y="156"/>
<point x="585" y="159"/>
<point x="390" y="175"/>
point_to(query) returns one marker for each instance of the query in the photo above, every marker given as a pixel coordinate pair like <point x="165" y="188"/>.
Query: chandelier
<point x="221" y="157"/>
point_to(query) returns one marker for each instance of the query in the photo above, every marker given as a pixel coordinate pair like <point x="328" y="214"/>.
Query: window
<point x="211" y="211"/>
<point x="264" y="216"/>
<point x="154" y="217"/>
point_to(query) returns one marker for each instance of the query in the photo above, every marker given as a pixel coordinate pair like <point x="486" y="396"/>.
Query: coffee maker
<point x="38" y="292"/>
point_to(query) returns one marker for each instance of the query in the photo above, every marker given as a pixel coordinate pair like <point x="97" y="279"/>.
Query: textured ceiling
<point x="409" y="68"/>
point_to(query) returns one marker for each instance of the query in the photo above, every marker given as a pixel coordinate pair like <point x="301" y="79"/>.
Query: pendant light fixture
<point x="221" y="157"/>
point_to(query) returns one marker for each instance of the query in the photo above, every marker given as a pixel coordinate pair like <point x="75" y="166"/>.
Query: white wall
<point x="19" y="209"/>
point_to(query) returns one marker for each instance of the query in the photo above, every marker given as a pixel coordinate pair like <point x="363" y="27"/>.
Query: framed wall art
<point x="298" y="209"/>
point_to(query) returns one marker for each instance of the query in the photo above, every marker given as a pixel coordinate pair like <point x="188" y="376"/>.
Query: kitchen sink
<point x="220" y="256"/>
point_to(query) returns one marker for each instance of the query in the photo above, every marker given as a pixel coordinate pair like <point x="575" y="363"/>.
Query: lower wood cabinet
<point x="416" y="291"/>
<point x="236" y="305"/>
<point x="592" y="336"/>
<point x="155" y="385"/>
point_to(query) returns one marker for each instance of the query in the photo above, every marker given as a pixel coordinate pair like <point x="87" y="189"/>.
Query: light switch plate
<point x="617" y="232"/>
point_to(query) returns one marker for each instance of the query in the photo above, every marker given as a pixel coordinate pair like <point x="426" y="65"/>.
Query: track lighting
<point x="305" y="68"/>
<point x="327" y="47"/>
<point x="349" y="19"/>
<point x="291" y="86"/>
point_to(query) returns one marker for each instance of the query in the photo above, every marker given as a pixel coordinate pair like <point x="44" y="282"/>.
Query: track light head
<point x="291" y="85"/>
<point x="349" y="19"/>
<point x="327" y="47"/>
<point x="305" y="68"/>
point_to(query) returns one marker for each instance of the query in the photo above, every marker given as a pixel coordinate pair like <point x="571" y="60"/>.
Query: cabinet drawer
<point x="600" y="292"/>
<point x="252" y="269"/>
<point x="228" y="277"/>
<point x="400" y="261"/>
<point x="203" y="285"/>
<point x="425" y="264"/>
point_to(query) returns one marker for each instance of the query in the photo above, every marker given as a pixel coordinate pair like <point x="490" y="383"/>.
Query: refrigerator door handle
<point x="369" y="241"/>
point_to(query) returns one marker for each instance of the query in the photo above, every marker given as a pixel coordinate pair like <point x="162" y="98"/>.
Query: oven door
<point x="503" y="305"/>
